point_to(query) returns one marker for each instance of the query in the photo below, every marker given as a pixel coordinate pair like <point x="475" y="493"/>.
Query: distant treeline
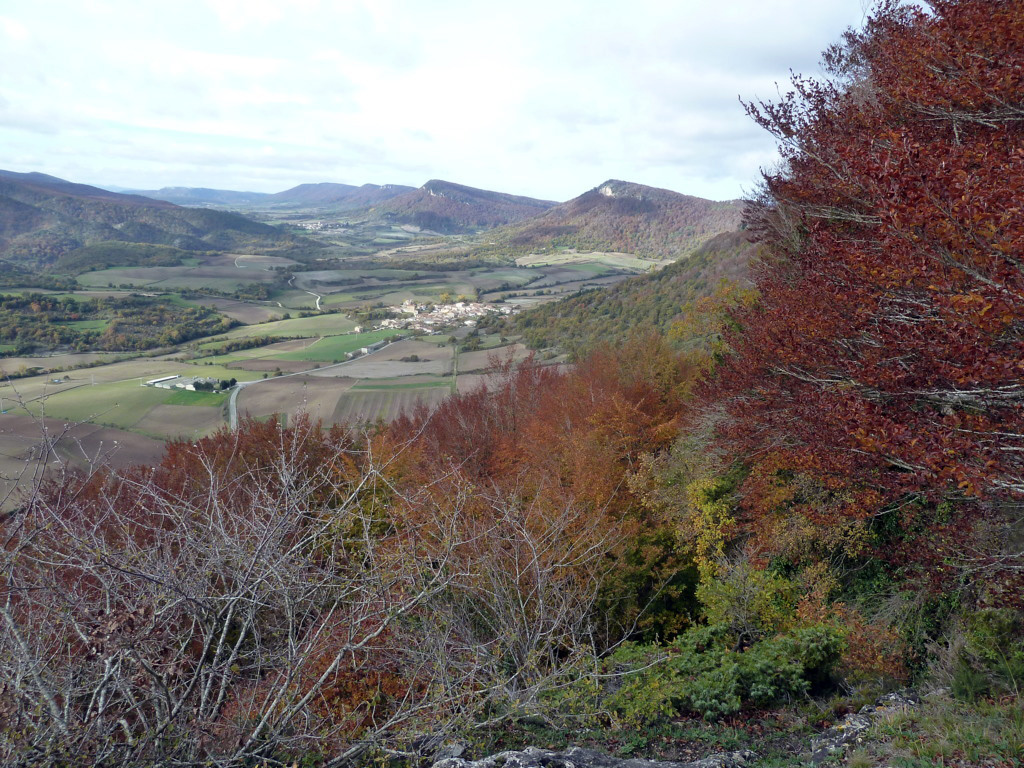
<point x="37" y="322"/>
<point x="117" y="254"/>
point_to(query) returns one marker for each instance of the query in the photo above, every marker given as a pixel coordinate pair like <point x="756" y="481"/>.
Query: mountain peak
<point x="619" y="188"/>
<point x="632" y="218"/>
<point x="444" y="206"/>
<point x="441" y="188"/>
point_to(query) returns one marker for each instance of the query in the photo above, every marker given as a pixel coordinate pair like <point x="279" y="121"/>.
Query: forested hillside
<point x="42" y="218"/>
<point x="627" y="217"/>
<point x="641" y="304"/>
<point x="335" y="197"/>
<point x="442" y="206"/>
<point x="878" y="381"/>
<point x="727" y="535"/>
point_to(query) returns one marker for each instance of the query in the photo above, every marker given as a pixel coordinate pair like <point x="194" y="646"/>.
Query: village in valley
<point x="432" y="318"/>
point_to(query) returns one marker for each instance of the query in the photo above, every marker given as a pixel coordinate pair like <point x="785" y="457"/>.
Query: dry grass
<point x="944" y="732"/>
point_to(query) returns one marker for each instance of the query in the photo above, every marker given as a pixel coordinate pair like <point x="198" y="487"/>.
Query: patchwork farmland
<point x="296" y="330"/>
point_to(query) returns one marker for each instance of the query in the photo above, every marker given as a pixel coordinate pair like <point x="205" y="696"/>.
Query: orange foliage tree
<point x="881" y="372"/>
<point x="562" y="446"/>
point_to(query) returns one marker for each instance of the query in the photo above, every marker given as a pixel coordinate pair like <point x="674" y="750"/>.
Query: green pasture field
<point x="328" y="348"/>
<point x="590" y="268"/>
<point x="296" y="327"/>
<point x="293" y="298"/>
<point x="222" y="277"/>
<point x="183" y="281"/>
<point x="187" y="397"/>
<point x="333" y="300"/>
<point x="393" y="295"/>
<point x="124" y="402"/>
<point x="243" y="354"/>
<point x="617" y="260"/>
<point x="256" y="353"/>
<point x="251" y="260"/>
<point x="332" y="348"/>
<point x="426" y="294"/>
<point x="384" y="272"/>
<point x="118" y="404"/>
<point x="492" y="341"/>
<point x="178" y="301"/>
<point x="491" y="280"/>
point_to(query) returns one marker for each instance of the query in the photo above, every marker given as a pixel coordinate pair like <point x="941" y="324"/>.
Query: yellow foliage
<point x="713" y="523"/>
<point x="750" y="601"/>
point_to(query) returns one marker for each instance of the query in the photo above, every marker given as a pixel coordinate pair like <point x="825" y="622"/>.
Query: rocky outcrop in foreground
<point x="574" y="757"/>
<point x="850" y="730"/>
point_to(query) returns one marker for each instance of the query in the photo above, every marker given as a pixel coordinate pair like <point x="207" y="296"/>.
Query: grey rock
<point x="835" y="739"/>
<point x="898" y="700"/>
<point x="851" y="729"/>
<point x="450" y="749"/>
<point x="575" y="757"/>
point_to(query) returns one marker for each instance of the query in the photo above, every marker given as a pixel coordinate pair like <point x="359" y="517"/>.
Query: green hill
<point x="653" y="301"/>
<point x="441" y="206"/>
<point x="42" y="218"/>
<point x="626" y="217"/>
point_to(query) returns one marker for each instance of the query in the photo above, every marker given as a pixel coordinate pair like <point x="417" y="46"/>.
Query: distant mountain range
<point x="616" y="215"/>
<point x="338" y="197"/>
<point x="441" y="206"/>
<point x="201" y="196"/>
<point x="627" y="217"/>
<point x="437" y="206"/>
<point x="43" y="218"/>
<point x="327" y="195"/>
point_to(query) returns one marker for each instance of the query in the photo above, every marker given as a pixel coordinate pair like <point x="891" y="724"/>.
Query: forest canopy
<point x="880" y="374"/>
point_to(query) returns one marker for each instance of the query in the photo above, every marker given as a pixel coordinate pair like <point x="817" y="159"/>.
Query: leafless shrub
<point x="265" y="603"/>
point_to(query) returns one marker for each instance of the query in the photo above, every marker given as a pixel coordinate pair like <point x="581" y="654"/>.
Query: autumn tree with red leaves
<point x="574" y="440"/>
<point x="881" y="372"/>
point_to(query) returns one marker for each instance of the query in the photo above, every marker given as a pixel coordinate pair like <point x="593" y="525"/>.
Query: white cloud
<point x="546" y="98"/>
<point x="14" y="31"/>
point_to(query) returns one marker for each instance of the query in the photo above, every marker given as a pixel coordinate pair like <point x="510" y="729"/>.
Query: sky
<point x="545" y="98"/>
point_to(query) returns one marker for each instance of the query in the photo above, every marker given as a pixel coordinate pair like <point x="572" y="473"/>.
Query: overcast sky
<point x="546" y="98"/>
